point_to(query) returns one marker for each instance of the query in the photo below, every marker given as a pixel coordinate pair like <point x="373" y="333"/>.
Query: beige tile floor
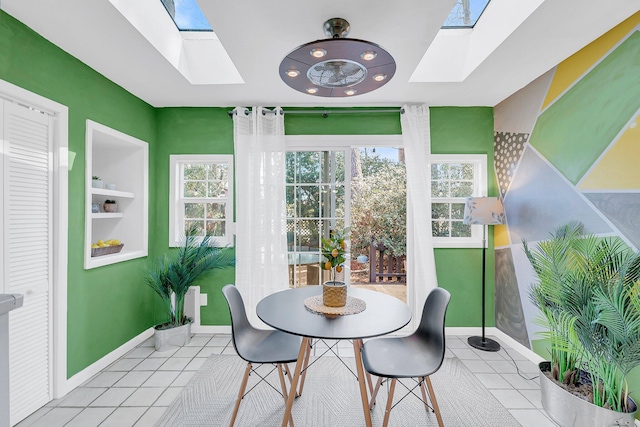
<point x="136" y="389"/>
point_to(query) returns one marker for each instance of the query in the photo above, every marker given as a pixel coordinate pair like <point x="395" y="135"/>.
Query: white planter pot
<point x="97" y="183"/>
<point x="173" y="338"/>
<point x="568" y="410"/>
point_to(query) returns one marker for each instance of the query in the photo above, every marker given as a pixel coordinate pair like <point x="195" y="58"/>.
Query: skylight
<point x="187" y="15"/>
<point x="465" y="13"/>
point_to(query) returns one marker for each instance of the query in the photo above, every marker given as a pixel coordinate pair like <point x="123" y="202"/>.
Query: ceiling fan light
<point x="368" y="55"/>
<point x="337" y="66"/>
<point x="318" y="53"/>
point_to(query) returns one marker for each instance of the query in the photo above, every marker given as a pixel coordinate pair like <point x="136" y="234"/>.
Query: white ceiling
<point x="514" y="42"/>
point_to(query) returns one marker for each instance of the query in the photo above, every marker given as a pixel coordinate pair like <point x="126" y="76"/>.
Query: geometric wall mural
<point x="617" y="168"/>
<point x="623" y="210"/>
<point x="507" y="149"/>
<point x="578" y="126"/>
<point x="581" y="161"/>
<point x="509" y="316"/>
<point x="539" y="200"/>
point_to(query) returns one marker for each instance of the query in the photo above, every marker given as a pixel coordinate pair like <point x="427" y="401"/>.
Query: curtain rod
<point x="325" y="113"/>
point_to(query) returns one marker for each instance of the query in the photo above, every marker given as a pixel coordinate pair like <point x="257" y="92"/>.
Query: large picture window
<point x="454" y="178"/>
<point x="201" y="197"/>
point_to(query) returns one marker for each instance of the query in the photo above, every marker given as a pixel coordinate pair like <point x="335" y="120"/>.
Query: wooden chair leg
<point x="387" y="411"/>
<point x="432" y="395"/>
<point x="424" y="394"/>
<point x="304" y="367"/>
<point x="283" y="385"/>
<point x="369" y="381"/>
<point x="243" y="386"/>
<point x="374" y="393"/>
<point x="288" y="371"/>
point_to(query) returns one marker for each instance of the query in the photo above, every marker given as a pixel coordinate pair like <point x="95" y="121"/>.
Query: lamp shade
<point x="484" y="210"/>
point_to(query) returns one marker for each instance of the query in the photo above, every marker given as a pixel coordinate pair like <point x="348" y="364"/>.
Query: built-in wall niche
<point x="122" y="163"/>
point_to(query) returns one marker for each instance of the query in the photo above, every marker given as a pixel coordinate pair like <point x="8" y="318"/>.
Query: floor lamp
<point x="484" y="211"/>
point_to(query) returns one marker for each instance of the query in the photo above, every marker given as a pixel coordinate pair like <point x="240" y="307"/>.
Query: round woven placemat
<point x="353" y="306"/>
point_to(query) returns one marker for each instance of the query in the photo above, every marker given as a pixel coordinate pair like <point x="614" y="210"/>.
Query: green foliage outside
<point x="378" y="198"/>
<point x="379" y="206"/>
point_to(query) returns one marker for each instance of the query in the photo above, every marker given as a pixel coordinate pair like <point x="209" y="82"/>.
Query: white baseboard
<point x="466" y="331"/>
<point x="497" y="333"/>
<point x="88" y="372"/>
<point x="210" y="329"/>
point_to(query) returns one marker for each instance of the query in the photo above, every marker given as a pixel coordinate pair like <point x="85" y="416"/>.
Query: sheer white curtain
<point x="261" y="238"/>
<point x="421" y="265"/>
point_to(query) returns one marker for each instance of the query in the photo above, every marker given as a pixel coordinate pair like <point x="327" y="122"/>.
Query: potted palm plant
<point x="171" y="275"/>
<point x="588" y="292"/>
<point x="334" y="250"/>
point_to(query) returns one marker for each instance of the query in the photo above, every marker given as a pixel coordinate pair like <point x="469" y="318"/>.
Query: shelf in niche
<point x="124" y="255"/>
<point x="112" y="193"/>
<point x="106" y="215"/>
<point x="122" y="160"/>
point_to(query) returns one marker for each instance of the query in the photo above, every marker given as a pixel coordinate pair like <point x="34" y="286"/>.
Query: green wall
<point x="109" y="305"/>
<point x="342" y="124"/>
<point x="466" y="131"/>
<point x="191" y="131"/>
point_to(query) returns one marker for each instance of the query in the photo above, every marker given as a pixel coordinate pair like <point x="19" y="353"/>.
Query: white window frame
<point x="479" y="162"/>
<point x="177" y="201"/>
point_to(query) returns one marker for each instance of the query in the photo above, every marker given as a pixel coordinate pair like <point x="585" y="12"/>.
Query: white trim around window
<point x="178" y="201"/>
<point x="479" y="162"/>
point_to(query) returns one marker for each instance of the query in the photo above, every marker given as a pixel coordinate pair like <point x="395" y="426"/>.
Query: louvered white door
<point x="26" y="258"/>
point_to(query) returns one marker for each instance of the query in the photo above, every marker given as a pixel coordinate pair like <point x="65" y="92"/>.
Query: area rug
<point x="331" y="398"/>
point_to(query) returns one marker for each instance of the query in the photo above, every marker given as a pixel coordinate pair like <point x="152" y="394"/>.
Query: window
<point x="453" y="179"/>
<point x="465" y="13"/>
<point x="316" y="198"/>
<point x="201" y="195"/>
<point x="187" y="15"/>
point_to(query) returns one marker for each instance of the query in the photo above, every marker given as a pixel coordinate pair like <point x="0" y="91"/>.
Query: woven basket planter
<point x="334" y="294"/>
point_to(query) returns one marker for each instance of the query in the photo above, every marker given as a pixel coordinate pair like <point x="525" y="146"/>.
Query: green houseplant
<point x="96" y="182"/>
<point x="588" y="292"/>
<point x="334" y="250"/>
<point x="170" y="277"/>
